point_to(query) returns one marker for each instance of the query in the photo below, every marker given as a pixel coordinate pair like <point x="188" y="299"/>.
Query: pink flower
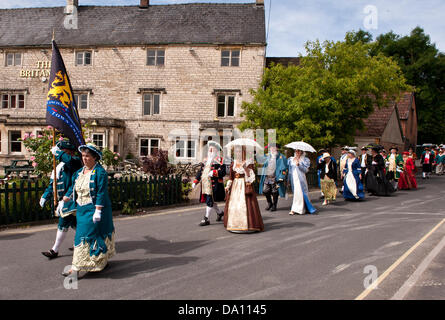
<point x="89" y="140"/>
<point x="31" y="135"/>
<point x="34" y="164"/>
<point x="61" y="139"/>
<point x="50" y="137"/>
<point x="49" y="127"/>
<point x="26" y="136"/>
<point x="39" y="136"/>
<point x="115" y="158"/>
<point x="32" y="158"/>
<point x="118" y="154"/>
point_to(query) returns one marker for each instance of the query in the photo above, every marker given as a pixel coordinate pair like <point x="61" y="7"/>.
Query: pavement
<point x="380" y="248"/>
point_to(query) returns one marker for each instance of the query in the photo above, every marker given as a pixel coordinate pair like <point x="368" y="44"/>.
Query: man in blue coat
<point x="273" y="176"/>
<point x="69" y="163"/>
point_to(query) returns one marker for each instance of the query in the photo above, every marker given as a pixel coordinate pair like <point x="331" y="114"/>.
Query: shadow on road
<point x="155" y="246"/>
<point x="15" y="236"/>
<point x="123" y="269"/>
<point x="282" y="225"/>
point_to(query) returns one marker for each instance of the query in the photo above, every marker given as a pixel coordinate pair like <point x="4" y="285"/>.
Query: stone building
<point x="144" y="77"/>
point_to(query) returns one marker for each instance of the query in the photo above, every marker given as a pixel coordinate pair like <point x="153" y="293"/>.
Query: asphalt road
<point x="331" y="255"/>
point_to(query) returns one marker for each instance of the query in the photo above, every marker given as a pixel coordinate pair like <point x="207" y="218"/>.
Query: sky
<point x="291" y="23"/>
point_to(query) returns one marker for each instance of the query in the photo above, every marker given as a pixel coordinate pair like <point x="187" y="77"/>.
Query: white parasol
<point x="244" y="142"/>
<point x="300" y="145"/>
<point x="214" y="144"/>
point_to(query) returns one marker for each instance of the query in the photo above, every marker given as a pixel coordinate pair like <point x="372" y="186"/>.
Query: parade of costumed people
<point x="407" y="178"/>
<point x="211" y="174"/>
<point x="94" y="242"/>
<point x="426" y="160"/>
<point x="328" y="178"/>
<point x="273" y="176"/>
<point x="394" y="165"/>
<point x="376" y="182"/>
<point x="352" y="181"/>
<point x="298" y="167"/>
<point x="242" y="213"/>
<point x="69" y="163"/>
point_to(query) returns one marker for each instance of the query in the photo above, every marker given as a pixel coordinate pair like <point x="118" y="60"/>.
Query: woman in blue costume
<point x="298" y="167"/>
<point x="94" y="240"/>
<point x="352" y="174"/>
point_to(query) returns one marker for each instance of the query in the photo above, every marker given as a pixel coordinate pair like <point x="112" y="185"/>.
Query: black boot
<point x="204" y="222"/>
<point x="51" y="254"/>
<point x="275" y="202"/>
<point x="220" y="216"/>
<point x="269" y="201"/>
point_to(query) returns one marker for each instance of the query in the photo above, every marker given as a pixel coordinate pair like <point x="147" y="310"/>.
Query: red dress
<point x="407" y="179"/>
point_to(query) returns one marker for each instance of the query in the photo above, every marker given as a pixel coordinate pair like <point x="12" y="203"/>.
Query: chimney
<point x="70" y="4"/>
<point x="144" y="4"/>
<point x="260" y="2"/>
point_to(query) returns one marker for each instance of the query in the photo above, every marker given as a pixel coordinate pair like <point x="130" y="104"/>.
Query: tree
<point x="324" y="99"/>
<point x="424" y="68"/>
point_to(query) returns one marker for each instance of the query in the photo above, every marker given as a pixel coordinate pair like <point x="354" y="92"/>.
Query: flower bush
<point x="40" y="147"/>
<point x="110" y="158"/>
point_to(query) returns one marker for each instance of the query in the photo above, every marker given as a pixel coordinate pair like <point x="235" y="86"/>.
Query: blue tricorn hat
<point x="91" y="147"/>
<point x="65" y="144"/>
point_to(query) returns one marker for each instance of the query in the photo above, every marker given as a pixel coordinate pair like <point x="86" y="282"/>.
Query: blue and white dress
<point x="94" y="242"/>
<point x="353" y="187"/>
<point x="297" y="179"/>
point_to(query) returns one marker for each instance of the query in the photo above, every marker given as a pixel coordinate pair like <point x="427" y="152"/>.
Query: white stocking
<point x="218" y="210"/>
<point x="61" y="235"/>
<point x="208" y="210"/>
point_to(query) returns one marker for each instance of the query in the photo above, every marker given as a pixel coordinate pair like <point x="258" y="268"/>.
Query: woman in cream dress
<point x="242" y="213"/>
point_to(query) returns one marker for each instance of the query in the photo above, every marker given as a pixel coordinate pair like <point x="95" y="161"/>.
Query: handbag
<point x="249" y="189"/>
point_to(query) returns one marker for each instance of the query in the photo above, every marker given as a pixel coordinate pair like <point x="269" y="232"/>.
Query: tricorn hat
<point x="65" y="144"/>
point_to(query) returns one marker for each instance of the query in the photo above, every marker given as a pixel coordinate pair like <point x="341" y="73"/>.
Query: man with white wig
<point x="211" y="174"/>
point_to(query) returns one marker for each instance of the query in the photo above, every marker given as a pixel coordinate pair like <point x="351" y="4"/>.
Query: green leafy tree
<point x="424" y="68"/>
<point x="324" y="99"/>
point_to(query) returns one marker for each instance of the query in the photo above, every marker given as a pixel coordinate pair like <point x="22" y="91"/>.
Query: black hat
<point x="364" y="148"/>
<point x="397" y="149"/>
<point x="376" y="149"/>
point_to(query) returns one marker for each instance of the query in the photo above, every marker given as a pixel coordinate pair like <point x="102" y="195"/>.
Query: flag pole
<point x="54" y="162"/>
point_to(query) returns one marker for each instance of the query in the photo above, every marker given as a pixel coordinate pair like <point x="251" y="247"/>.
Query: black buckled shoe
<point x="269" y="206"/>
<point x="51" y="254"/>
<point x="274" y="207"/>
<point x="204" y="222"/>
<point x="68" y="273"/>
<point x="71" y="249"/>
<point x="220" y="216"/>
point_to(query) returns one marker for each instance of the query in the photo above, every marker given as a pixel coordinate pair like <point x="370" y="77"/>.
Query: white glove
<point x="193" y="185"/>
<point x="97" y="215"/>
<point x="59" y="208"/>
<point x="211" y="173"/>
<point x="374" y="163"/>
<point x="42" y="201"/>
<point x="54" y="150"/>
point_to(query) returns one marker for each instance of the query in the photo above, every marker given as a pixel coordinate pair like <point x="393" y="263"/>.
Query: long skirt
<point x="378" y="185"/>
<point x="242" y="213"/>
<point x="94" y="242"/>
<point x="328" y="188"/>
<point x="439" y="169"/>
<point x="353" y="187"/>
<point x="407" y="181"/>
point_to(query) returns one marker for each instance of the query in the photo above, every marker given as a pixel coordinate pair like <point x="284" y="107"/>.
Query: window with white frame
<point x="226" y="106"/>
<point x="83" y="58"/>
<point x="151" y="104"/>
<point x="147" y="146"/>
<point x="155" y="57"/>
<point x="15" y="145"/>
<point x="98" y="140"/>
<point x="185" y="149"/>
<point x="81" y="100"/>
<point x="13" y="100"/>
<point x="13" y="59"/>
<point x="230" y="58"/>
